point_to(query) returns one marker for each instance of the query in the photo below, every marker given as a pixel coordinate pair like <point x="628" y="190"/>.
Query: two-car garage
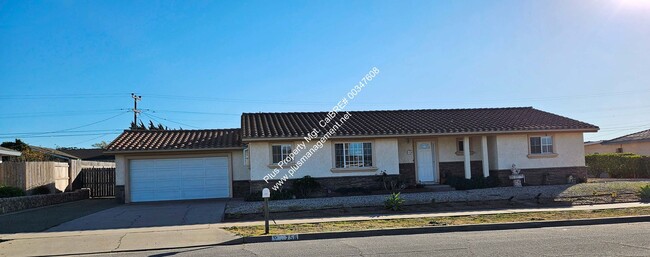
<point x="179" y="179"/>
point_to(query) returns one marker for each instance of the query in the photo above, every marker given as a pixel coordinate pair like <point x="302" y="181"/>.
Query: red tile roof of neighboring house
<point x="410" y="122"/>
<point x="641" y="136"/>
<point x="165" y="140"/>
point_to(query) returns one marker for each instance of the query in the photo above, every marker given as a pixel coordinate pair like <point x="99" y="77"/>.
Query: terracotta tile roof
<point x="161" y="140"/>
<point x="410" y="122"/>
<point x="641" y="136"/>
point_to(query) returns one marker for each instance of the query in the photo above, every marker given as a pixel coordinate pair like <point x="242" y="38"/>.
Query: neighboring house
<point x="54" y="154"/>
<point x="8" y="152"/>
<point x="638" y="143"/>
<point x="421" y="146"/>
<point x="90" y="154"/>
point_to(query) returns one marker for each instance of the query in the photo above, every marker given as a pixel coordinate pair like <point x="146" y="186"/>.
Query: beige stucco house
<point x="348" y="149"/>
<point x="638" y="143"/>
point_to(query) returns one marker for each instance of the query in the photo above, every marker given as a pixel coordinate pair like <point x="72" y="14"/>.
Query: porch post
<point x="484" y="150"/>
<point x="466" y="153"/>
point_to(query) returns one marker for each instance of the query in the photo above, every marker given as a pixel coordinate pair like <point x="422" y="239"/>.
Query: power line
<point x="68" y="129"/>
<point x="94" y="138"/>
<point x="67" y="132"/>
<point x="62" y="135"/>
<point x="59" y="114"/>
<point x="66" y="96"/>
<point x="179" y="123"/>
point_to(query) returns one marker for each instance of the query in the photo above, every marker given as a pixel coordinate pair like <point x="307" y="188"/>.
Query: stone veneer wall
<point x="119" y="194"/>
<point x="543" y="176"/>
<point x="448" y="169"/>
<point x="331" y="184"/>
<point x="407" y="173"/>
<point x="241" y="189"/>
<point x="12" y="204"/>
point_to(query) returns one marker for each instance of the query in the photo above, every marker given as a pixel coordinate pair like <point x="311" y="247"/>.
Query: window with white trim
<point x="353" y="155"/>
<point x="541" y="145"/>
<point x="280" y="152"/>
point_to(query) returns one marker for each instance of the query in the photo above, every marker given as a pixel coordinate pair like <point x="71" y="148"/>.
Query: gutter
<point x="486" y="133"/>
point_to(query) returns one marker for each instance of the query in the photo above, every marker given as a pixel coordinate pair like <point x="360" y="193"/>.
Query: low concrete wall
<point x="13" y="204"/>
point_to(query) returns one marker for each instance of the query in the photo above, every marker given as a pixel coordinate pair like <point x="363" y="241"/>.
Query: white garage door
<point x="179" y="179"/>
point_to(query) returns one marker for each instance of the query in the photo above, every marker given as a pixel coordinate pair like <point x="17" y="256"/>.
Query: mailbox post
<point x="266" y="194"/>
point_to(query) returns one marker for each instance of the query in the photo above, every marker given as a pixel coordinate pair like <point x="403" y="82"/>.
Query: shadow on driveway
<point x="40" y="219"/>
<point x="157" y="214"/>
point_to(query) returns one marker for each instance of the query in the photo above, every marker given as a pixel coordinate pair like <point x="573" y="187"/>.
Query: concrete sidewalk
<point x="136" y="239"/>
<point x="114" y="240"/>
<point x="438" y="214"/>
<point x="40" y="219"/>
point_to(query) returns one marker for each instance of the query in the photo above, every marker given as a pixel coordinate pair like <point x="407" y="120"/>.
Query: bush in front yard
<point x="394" y="202"/>
<point x="618" y="165"/>
<point x="7" y="191"/>
<point x="644" y="193"/>
<point x="305" y="186"/>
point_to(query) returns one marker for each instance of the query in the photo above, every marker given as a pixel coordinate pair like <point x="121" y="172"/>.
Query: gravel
<point x="497" y="193"/>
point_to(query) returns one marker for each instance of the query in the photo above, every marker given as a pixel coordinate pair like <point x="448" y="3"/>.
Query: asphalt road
<point x="597" y="240"/>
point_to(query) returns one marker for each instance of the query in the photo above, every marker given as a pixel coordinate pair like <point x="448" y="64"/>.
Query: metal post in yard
<point x="266" y="194"/>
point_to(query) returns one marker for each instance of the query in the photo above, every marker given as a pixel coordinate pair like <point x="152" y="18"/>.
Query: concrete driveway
<point x="157" y="214"/>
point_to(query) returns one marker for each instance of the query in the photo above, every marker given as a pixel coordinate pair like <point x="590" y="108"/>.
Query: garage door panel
<point x="180" y="178"/>
<point x="194" y="173"/>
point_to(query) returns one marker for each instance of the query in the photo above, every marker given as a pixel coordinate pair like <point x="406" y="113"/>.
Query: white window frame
<point x="363" y="155"/>
<point x="283" y="155"/>
<point x="542" y="145"/>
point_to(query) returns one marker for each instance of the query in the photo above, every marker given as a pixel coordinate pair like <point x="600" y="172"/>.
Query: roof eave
<point x="625" y="141"/>
<point x="425" y="134"/>
<point x="173" y="150"/>
<point x="10" y="153"/>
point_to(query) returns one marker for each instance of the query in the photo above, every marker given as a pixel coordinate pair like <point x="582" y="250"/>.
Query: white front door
<point x="179" y="179"/>
<point x="426" y="163"/>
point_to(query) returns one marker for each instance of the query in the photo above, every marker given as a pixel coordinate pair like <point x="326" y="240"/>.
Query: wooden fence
<point x="59" y="176"/>
<point x="101" y="181"/>
<point x="29" y="175"/>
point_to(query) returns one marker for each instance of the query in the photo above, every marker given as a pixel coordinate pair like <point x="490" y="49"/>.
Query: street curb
<point x="445" y="229"/>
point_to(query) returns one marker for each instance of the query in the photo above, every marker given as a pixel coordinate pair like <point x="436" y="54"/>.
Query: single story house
<point x="638" y="143"/>
<point x="348" y="149"/>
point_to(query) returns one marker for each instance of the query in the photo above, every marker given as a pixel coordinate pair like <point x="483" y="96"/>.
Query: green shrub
<point x="390" y="182"/>
<point x="41" y="190"/>
<point x="305" y="186"/>
<point x="644" y="193"/>
<point x="461" y="183"/>
<point x="618" y="165"/>
<point x="7" y="191"/>
<point x="394" y="202"/>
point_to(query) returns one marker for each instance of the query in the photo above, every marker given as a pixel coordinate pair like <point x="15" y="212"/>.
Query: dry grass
<point x="437" y="221"/>
<point x="620" y="187"/>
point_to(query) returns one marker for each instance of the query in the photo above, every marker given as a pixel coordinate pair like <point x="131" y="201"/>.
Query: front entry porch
<point x="436" y="158"/>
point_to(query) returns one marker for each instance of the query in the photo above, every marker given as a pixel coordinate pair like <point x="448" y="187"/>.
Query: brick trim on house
<point x="457" y="169"/>
<point x="543" y="176"/>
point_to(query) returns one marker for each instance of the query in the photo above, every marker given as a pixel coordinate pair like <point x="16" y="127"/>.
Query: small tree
<point x="100" y="145"/>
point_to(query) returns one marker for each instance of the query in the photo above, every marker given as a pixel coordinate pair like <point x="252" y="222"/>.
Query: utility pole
<point x="136" y="98"/>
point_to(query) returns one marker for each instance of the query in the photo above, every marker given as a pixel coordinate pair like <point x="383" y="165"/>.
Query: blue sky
<point x="67" y="68"/>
